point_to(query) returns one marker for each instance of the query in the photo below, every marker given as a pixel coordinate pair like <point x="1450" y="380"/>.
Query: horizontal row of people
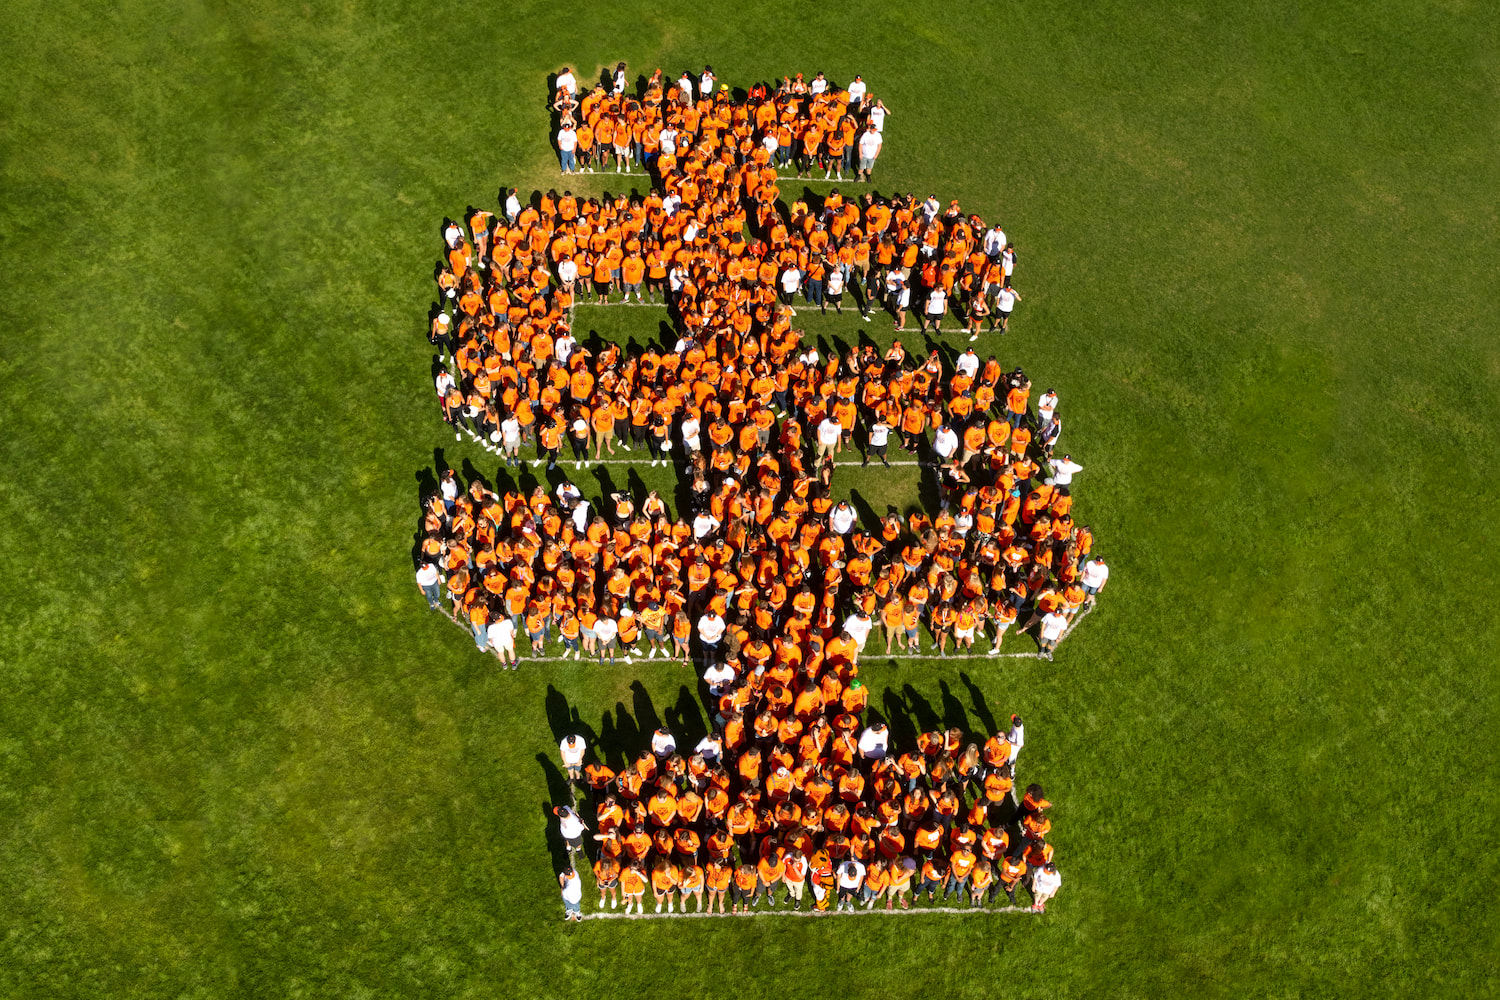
<point x="810" y="124"/>
<point x="828" y="810"/>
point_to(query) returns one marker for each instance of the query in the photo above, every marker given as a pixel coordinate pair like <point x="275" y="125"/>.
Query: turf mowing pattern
<point x="241" y="757"/>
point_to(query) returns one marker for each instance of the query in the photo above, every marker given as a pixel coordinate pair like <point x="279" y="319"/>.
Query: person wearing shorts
<point x="606" y="630"/>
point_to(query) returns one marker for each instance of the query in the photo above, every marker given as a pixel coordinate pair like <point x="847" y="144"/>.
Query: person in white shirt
<point x="851" y="878"/>
<point x="1054" y="624"/>
<point x="606" y="629"/>
<point x="501" y="638"/>
<point x="994" y="241"/>
<point x="1045" y="882"/>
<point x="791" y="280"/>
<point x="858" y="625"/>
<point x="571" y="749"/>
<point x="945" y="443"/>
<point x="510" y="440"/>
<point x="1046" y="405"/>
<point x="880" y="434"/>
<point x="571" y="826"/>
<point x="564" y="347"/>
<point x="937" y="304"/>
<point x="841" y="519"/>
<point x="968" y="363"/>
<point x="1005" y="301"/>
<point x="428" y="577"/>
<point x="567" y="144"/>
<point x="875" y="741"/>
<point x="567" y="273"/>
<point x="704" y="524"/>
<point x="869" y="150"/>
<point x="572" y="894"/>
<point x="830" y="438"/>
<point x="690" y="440"/>
<point x="663" y="743"/>
<point x="719" y="677"/>
<point x="1095" y="576"/>
<point x="710" y="631"/>
<point x="857" y="91"/>
<point x="712" y="745"/>
<point x="1063" y="470"/>
<point x="1016" y="737"/>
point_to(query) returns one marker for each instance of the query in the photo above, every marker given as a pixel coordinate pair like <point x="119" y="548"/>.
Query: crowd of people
<point x="792" y="799"/>
<point x="807" y="124"/>
<point x="766" y="568"/>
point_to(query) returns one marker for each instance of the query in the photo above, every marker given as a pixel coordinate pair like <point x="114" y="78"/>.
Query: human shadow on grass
<point x="557" y="795"/>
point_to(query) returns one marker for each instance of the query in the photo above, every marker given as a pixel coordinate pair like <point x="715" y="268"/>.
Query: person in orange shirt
<point x="664" y="879"/>
<point x="633" y="887"/>
<point x="694" y="879"/>
<point x="604" y="428"/>
<point x="607" y="878"/>
<point x="718" y="876"/>
<point x="743" y="887"/>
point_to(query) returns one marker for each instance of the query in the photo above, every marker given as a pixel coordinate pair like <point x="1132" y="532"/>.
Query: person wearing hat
<point x="572" y="894"/>
<point x="572" y="749"/>
<point x="875" y="741"/>
<point x="1095" y="576"/>
<point x="1063" y="470"/>
<point x="571" y="826"/>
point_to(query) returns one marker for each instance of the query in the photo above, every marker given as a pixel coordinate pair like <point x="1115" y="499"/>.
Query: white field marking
<point x="951" y="911"/>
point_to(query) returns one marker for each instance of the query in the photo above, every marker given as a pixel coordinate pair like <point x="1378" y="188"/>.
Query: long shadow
<point x="868" y="519"/>
<point x="921" y="709"/>
<point x="903" y="729"/>
<point x="646" y="717"/>
<point x="557" y="795"/>
<point x="620" y="739"/>
<point x="685" y="718"/>
<point x="471" y="475"/>
<point x="981" y="704"/>
<point x="564" y="720"/>
<point x="953" y="711"/>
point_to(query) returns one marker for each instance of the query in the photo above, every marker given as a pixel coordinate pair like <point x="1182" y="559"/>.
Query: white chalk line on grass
<point x="858" y="911"/>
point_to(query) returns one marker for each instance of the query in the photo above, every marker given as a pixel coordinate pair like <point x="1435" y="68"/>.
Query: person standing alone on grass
<point x="572" y="894"/>
<point x="572" y="748"/>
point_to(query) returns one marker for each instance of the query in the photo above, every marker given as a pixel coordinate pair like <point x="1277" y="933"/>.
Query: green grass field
<point x="240" y="757"/>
